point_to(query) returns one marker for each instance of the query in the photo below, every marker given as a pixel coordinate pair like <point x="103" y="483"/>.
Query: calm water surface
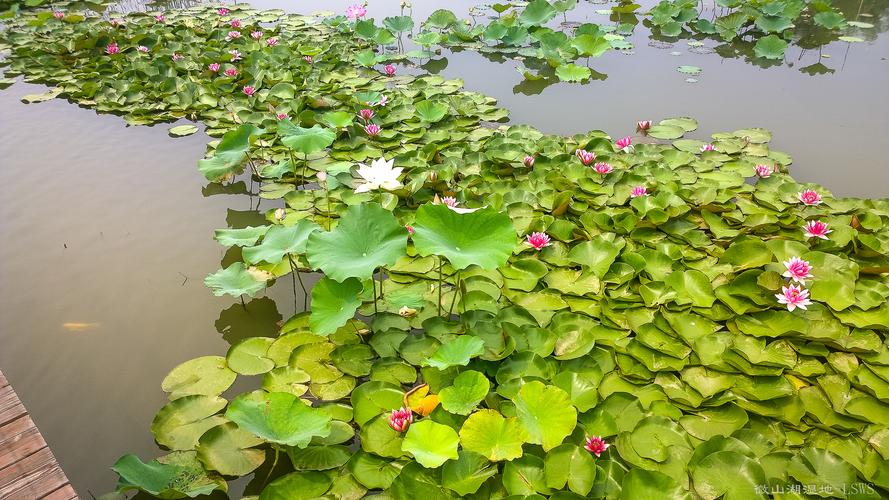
<point x="107" y="230"/>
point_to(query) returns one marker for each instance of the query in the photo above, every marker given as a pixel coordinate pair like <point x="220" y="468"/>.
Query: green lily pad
<point x="278" y="417"/>
<point x="573" y="73"/>
<point x="177" y="475"/>
<point x="182" y="130"/>
<point x="432" y="444"/>
<point x="333" y="304"/>
<point x="770" y="47"/>
<point x="457" y="352"/>
<point x="230" y="450"/>
<point x="467" y="391"/>
<point x="485" y="237"/>
<point x="546" y="414"/>
<point x="489" y="434"/>
<point x="367" y="237"/>
<point x="235" y="280"/>
<point x="207" y="375"/>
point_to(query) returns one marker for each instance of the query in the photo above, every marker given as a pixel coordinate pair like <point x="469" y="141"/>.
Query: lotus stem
<point x="293" y="280"/>
<point x="373" y="283"/>
<point x="242" y="302"/>
<point x="439" y="285"/>
<point x="456" y="289"/>
<point x="299" y="278"/>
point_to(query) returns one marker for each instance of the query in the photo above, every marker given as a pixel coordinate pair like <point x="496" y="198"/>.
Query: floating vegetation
<point x="500" y="312"/>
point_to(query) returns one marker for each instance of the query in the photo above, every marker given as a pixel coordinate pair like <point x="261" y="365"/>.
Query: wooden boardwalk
<point x="28" y="469"/>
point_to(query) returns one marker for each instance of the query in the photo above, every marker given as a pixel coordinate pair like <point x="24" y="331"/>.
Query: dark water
<point x="106" y="230"/>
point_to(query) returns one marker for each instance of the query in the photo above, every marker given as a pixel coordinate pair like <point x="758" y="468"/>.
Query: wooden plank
<point x="64" y="493"/>
<point x="28" y="469"/>
<point x="10" y="406"/>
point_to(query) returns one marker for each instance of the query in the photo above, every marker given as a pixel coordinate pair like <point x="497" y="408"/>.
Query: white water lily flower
<point x="380" y="174"/>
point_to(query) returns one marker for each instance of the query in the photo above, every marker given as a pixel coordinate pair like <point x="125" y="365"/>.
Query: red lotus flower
<point x="410" y="229"/>
<point x="356" y="11"/>
<point x="307" y="59"/>
<point x="586" y="157"/>
<point x="401" y="419"/>
<point x="58" y="14"/>
<point x="596" y="445"/>
<point x="222" y="11"/>
<point x="232" y="35"/>
<point x="390" y="69"/>
<point x="230" y="72"/>
<point x="366" y="114"/>
<point x="160" y="18"/>
<point x="236" y="56"/>
<point x="249" y="90"/>
<point x="810" y="197"/>
<point x="373" y="129"/>
<point x="708" y="147"/>
<point x="603" y="168"/>
<point x="235" y="23"/>
<point x="271" y="42"/>
<point x="528" y="161"/>
<point x="142" y="49"/>
<point x="797" y="270"/>
<point x="763" y="171"/>
<point x="623" y="144"/>
<point x="643" y="126"/>
<point x="539" y="240"/>
<point x="816" y="229"/>
<point x="112" y="49"/>
<point x="214" y="67"/>
<point x="281" y="116"/>
<point x="793" y="296"/>
<point x="177" y="57"/>
<point x="638" y="191"/>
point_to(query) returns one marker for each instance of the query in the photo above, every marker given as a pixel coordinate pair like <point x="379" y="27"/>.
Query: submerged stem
<point x="439" y="285"/>
<point x="299" y="278"/>
<point x="456" y="289"/>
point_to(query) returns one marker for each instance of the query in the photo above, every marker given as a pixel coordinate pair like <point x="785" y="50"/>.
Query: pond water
<point x="107" y="229"/>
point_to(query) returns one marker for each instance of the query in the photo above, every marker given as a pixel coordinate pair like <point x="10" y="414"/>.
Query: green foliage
<point x="651" y="322"/>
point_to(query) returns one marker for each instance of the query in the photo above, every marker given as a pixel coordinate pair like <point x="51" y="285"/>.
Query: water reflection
<point x="258" y="317"/>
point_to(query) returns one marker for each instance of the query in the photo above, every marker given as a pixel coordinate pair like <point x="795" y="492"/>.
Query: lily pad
<point x="432" y="444"/>
<point x="485" y="237"/>
<point x="278" y="417"/>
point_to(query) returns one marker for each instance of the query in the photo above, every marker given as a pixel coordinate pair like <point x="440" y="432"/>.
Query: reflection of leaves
<point x="817" y="69"/>
<point x="435" y="66"/>
<point x="258" y="318"/>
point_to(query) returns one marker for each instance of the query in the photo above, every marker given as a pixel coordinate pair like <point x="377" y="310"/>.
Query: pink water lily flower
<point x="271" y="42"/>
<point x="281" y="116"/>
<point x="177" y="57"/>
<point x="410" y="229"/>
<point x="222" y="11"/>
<point x="809" y="197"/>
<point x="586" y="157"/>
<point x="643" y="126"/>
<point x="798" y="270"/>
<point x="528" y="161"/>
<point x="214" y="67"/>
<point x="401" y="419"/>
<point x="539" y="240"/>
<point x="230" y="72"/>
<point x="235" y="23"/>
<point x="142" y="48"/>
<point x="58" y="14"/>
<point x="236" y="56"/>
<point x="112" y="49"/>
<point x="307" y="59"/>
<point x="390" y="69"/>
<point x="116" y="22"/>
<point x="232" y="35"/>
<point x="816" y="229"/>
<point x="256" y="35"/>
<point x="373" y="129"/>
<point x="453" y="204"/>
<point x="603" y="168"/>
<point x="249" y="90"/>
<point x="793" y="296"/>
<point x="763" y="171"/>
<point x="356" y="11"/>
<point x="596" y="445"/>
<point x="160" y="18"/>
<point x="624" y="144"/>
<point x="366" y="114"/>
<point x="638" y="191"/>
<point x="708" y="147"/>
